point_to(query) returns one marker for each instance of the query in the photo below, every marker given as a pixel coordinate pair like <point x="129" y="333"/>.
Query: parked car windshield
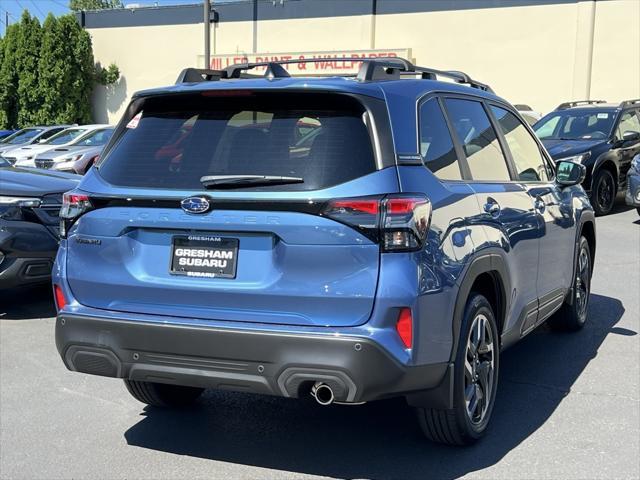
<point x="66" y="136"/>
<point x="579" y="124"/>
<point x="175" y="141"/>
<point x="96" y="138"/>
<point x="22" y="136"/>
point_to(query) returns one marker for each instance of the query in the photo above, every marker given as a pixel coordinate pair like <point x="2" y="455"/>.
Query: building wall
<point x="537" y="52"/>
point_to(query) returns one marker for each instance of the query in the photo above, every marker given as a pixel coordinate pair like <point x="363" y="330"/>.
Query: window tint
<point x="579" y="124"/>
<point x="22" y="136"/>
<point x="436" y="146"/>
<point x="177" y="140"/>
<point x="96" y="138"/>
<point x="544" y="128"/>
<point x="480" y="142"/>
<point x="66" y="136"/>
<point x="528" y="160"/>
<point x="50" y="133"/>
<point x="628" y="123"/>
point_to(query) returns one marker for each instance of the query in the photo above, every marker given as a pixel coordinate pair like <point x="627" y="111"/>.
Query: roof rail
<point x="626" y="103"/>
<point x="387" y="68"/>
<point x="577" y="103"/>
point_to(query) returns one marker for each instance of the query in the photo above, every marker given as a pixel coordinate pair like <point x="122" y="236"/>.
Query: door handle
<point x="539" y="205"/>
<point x="492" y="208"/>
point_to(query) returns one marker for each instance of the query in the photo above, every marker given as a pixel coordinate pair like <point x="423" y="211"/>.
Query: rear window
<point x="173" y="141"/>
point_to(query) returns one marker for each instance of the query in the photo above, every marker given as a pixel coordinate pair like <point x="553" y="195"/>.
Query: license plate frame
<point x="222" y="262"/>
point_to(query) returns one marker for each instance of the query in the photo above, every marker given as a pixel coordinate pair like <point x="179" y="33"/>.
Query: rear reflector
<point x="61" y="302"/>
<point x="404" y="327"/>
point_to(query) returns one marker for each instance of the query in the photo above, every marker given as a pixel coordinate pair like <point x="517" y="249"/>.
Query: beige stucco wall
<point x="539" y="55"/>
<point x="616" y="52"/>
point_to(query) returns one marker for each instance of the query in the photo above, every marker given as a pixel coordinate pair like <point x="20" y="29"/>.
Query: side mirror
<point x="630" y="136"/>
<point x="570" y="173"/>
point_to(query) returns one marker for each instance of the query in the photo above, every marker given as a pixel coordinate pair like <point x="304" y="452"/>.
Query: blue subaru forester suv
<point x="351" y="238"/>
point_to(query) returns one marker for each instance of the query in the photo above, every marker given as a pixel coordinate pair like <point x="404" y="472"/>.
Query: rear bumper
<point x="358" y="369"/>
<point x="27" y="252"/>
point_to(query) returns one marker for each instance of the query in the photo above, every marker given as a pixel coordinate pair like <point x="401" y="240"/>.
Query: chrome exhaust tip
<point x="322" y="393"/>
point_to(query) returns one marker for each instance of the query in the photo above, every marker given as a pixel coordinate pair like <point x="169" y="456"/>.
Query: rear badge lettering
<point x="89" y="241"/>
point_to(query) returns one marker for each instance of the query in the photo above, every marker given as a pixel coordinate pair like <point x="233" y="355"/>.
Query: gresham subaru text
<point x="385" y="235"/>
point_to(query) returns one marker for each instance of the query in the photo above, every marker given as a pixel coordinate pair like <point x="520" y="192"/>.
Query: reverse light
<point x="58" y="295"/>
<point x="73" y="206"/>
<point x="404" y="326"/>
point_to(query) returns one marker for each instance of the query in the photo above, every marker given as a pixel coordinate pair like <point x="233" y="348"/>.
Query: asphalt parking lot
<point x="568" y="407"/>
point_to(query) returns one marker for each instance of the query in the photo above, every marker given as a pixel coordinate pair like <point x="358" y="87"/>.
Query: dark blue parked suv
<point x="604" y="137"/>
<point x="350" y="238"/>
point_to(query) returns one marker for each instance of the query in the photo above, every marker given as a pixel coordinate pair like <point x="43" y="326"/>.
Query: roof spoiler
<point x="371" y="69"/>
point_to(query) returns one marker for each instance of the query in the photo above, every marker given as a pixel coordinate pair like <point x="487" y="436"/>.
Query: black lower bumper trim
<point x="357" y="369"/>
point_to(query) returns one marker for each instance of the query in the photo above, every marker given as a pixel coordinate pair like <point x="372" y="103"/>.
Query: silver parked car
<point x="76" y="158"/>
<point x="29" y="136"/>
<point x="25" y="156"/>
<point x="632" y="195"/>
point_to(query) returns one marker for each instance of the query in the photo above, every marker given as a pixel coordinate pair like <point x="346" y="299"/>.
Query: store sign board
<point x="331" y="62"/>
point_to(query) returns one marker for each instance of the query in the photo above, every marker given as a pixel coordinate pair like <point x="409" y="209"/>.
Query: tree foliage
<point x="28" y="44"/>
<point x="9" y="78"/>
<point x="47" y="73"/>
<point x="78" y="5"/>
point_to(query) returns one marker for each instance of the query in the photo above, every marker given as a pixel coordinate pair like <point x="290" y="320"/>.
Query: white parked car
<point x="77" y="158"/>
<point x="30" y="135"/>
<point x="528" y="113"/>
<point x="25" y="156"/>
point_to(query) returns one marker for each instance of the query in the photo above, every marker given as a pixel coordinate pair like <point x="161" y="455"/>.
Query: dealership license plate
<point x="204" y="256"/>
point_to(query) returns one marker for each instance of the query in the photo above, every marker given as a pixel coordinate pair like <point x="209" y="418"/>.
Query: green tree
<point x="26" y="63"/>
<point x="66" y="71"/>
<point x="9" y="79"/>
<point x="47" y="74"/>
<point x="78" y="5"/>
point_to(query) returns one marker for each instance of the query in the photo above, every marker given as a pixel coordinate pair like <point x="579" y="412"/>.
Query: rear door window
<point x="436" y="146"/>
<point x="528" y="160"/>
<point x="176" y="140"/>
<point x="479" y="140"/>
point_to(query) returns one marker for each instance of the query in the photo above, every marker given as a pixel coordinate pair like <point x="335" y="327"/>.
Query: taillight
<point x="405" y="223"/>
<point x="73" y="206"/>
<point x="61" y="302"/>
<point x="399" y="222"/>
<point x="404" y="327"/>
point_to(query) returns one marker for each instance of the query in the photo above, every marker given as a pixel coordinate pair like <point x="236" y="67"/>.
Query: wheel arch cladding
<point x="588" y="231"/>
<point x="488" y="276"/>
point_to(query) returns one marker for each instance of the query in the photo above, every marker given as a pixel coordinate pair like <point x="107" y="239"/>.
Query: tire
<point x="460" y="425"/>
<point x="603" y="193"/>
<point x="163" y="395"/>
<point x="638" y="210"/>
<point x="573" y="314"/>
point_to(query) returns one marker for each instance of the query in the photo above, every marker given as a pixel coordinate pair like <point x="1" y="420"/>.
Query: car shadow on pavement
<point x="26" y="303"/>
<point x="380" y="440"/>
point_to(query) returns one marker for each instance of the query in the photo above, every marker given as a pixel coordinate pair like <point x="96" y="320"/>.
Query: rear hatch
<point x="216" y="207"/>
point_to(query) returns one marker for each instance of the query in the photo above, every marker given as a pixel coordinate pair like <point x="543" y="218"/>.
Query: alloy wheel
<point x="479" y="369"/>
<point x="583" y="279"/>
<point x="605" y="193"/>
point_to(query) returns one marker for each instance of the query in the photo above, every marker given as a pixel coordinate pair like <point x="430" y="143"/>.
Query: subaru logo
<point x="195" y="204"/>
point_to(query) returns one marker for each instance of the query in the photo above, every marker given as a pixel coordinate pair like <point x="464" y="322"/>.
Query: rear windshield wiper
<point x="240" y="181"/>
